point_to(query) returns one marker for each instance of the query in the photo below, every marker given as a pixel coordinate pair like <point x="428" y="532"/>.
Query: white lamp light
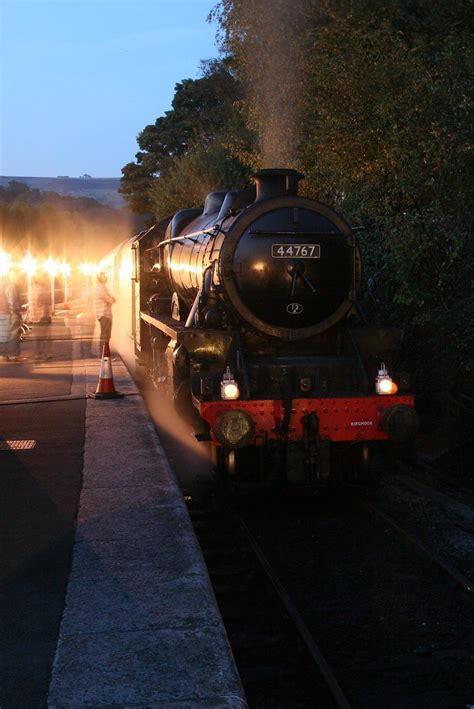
<point x="384" y="384"/>
<point x="229" y="387"/>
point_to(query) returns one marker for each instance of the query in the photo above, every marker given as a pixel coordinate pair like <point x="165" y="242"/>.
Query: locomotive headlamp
<point x="384" y="383"/>
<point x="229" y="387"/>
<point x="234" y="429"/>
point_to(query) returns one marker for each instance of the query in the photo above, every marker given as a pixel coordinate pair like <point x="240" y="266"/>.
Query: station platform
<point x="105" y="596"/>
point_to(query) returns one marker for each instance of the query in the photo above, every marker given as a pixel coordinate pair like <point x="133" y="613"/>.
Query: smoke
<point x="271" y="49"/>
<point x="189" y="458"/>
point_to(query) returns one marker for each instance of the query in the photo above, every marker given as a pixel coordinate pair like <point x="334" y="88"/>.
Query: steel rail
<point x="307" y="638"/>
<point x="466" y="584"/>
<point x="449" y="503"/>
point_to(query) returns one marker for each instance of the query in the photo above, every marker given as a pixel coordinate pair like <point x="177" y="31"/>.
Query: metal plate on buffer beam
<point x="16" y="445"/>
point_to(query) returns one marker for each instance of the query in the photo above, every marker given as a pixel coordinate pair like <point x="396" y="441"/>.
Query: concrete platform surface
<point x="140" y="625"/>
<point x="105" y="598"/>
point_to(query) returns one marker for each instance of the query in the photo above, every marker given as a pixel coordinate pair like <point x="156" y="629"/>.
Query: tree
<point x="18" y="190"/>
<point x="192" y="176"/>
<point x="390" y="138"/>
<point x="382" y="129"/>
<point x="203" y="112"/>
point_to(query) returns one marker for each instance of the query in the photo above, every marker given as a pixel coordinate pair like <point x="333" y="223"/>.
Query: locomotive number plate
<point x="296" y="251"/>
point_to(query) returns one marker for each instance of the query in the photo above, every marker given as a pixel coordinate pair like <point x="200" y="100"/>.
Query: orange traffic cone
<point x="105" y="387"/>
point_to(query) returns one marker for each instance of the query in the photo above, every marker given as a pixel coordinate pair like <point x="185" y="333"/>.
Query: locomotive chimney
<point x="275" y="182"/>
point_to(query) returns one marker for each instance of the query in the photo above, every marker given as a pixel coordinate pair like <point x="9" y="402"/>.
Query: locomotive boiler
<point x="248" y="309"/>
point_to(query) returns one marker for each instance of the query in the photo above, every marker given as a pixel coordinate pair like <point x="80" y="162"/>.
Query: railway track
<point x="277" y="657"/>
<point x="388" y="618"/>
<point x="465" y="584"/>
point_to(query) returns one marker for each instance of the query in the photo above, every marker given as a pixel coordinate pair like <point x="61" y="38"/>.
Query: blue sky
<point x="81" y="78"/>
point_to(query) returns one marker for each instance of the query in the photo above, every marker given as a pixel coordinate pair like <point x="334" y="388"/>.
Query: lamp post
<point x="51" y="267"/>
<point x="65" y="269"/>
<point x="88" y="270"/>
<point x="29" y="265"/>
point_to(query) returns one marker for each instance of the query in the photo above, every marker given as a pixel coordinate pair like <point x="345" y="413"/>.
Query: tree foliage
<point x="203" y="115"/>
<point x="381" y="93"/>
<point x="192" y="176"/>
<point x="391" y="136"/>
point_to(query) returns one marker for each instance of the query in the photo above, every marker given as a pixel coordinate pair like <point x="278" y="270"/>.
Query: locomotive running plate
<point x="296" y="251"/>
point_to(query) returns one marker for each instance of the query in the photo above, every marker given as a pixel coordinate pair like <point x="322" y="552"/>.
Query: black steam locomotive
<point x="248" y="309"/>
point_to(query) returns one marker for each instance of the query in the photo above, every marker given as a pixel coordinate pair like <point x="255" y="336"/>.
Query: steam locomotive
<point x="247" y="308"/>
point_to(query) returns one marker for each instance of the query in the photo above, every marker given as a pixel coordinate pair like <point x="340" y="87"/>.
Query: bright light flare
<point x="177" y="267"/>
<point x="51" y="267"/>
<point x="89" y="269"/>
<point x="64" y="268"/>
<point x="126" y="270"/>
<point x="5" y="260"/>
<point x="29" y="265"/>
<point x="384" y="385"/>
<point x="230" y="391"/>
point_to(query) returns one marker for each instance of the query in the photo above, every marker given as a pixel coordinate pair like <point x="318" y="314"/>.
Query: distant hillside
<point x="103" y="189"/>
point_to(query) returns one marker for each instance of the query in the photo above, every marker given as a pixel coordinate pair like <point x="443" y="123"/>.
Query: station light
<point x="229" y="387"/>
<point x="64" y="268"/>
<point x="51" y="267"/>
<point x="29" y="265"/>
<point x="89" y="269"/>
<point x="384" y="384"/>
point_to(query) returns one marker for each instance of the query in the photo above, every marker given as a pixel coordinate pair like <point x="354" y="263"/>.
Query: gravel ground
<point x="395" y="628"/>
<point x="443" y="521"/>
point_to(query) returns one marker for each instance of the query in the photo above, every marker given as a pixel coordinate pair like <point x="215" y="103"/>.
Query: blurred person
<point x="12" y="293"/>
<point x="4" y="320"/>
<point x="103" y="301"/>
<point x="40" y="315"/>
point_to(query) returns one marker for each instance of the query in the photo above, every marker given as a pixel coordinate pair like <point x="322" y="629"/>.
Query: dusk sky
<point x="81" y="78"/>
